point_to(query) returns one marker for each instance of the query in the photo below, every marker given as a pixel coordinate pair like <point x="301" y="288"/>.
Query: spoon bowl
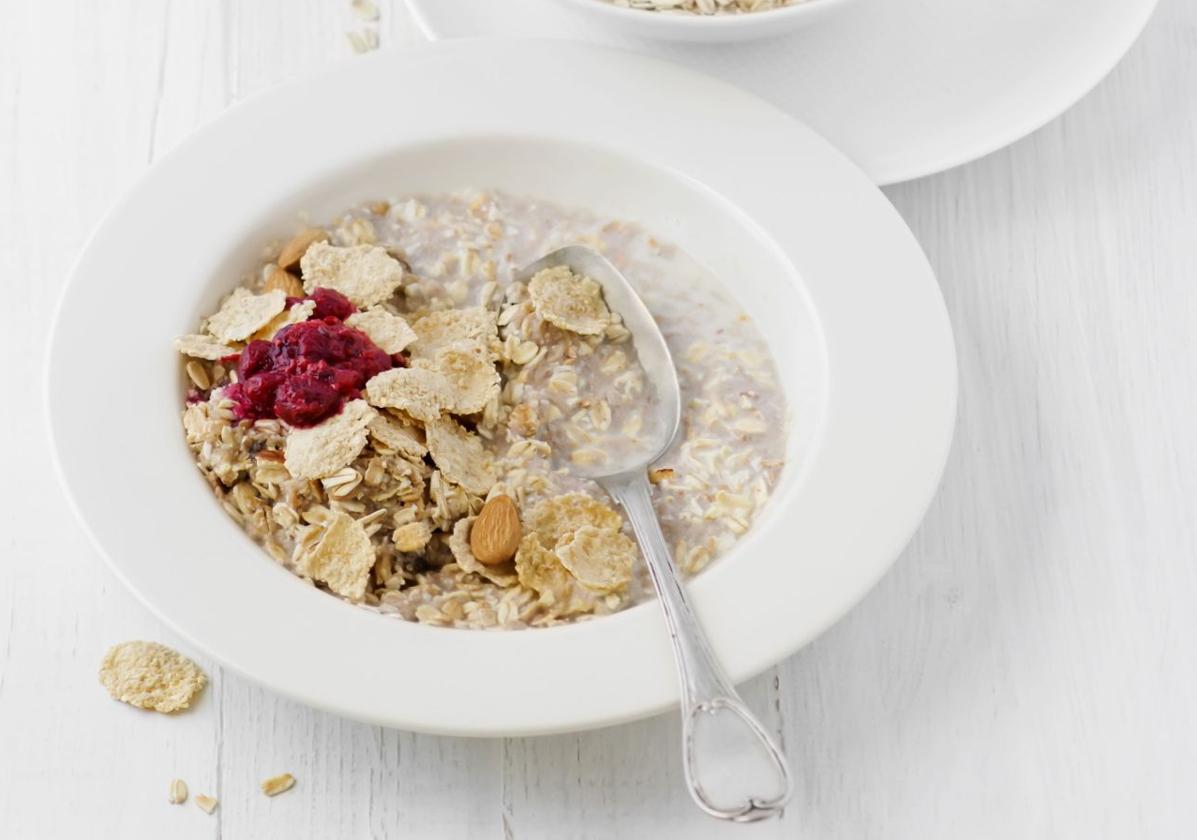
<point x="709" y="700"/>
<point x="663" y="410"/>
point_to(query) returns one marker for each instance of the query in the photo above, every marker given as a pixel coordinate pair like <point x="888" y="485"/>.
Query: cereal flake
<point x="390" y="332"/>
<point x="366" y="274"/>
<point x="473" y="379"/>
<point x="420" y="392"/>
<point x="203" y="347"/>
<point x="393" y="434"/>
<point x="540" y="570"/>
<point x="151" y="676"/>
<point x="569" y="301"/>
<point x="563" y="515"/>
<point x="452" y="327"/>
<point x="460" y="456"/>
<point x="412" y="537"/>
<point x="243" y="313"/>
<point x="322" y="450"/>
<point x="599" y="558"/>
<point x="292" y="315"/>
<point x="343" y="557"/>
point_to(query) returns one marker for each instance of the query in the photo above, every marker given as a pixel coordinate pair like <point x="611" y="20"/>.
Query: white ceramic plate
<point x="903" y="87"/>
<point x="824" y="264"/>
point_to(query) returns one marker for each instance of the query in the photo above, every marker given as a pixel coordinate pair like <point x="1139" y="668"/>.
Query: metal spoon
<point x="706" y="693"/>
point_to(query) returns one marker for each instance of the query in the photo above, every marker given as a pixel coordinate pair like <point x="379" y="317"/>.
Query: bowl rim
<point x="632" y="644"/>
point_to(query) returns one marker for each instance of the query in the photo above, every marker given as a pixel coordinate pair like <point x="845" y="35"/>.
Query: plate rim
<point x="944" y="409"/>
<point x="1019" y="130"/>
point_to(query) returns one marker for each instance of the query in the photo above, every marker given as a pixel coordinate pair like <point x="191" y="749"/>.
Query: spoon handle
<point x="706" y="692"/>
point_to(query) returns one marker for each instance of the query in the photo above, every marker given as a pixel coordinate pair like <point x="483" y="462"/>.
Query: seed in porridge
<point x="323" y="450"/>
<point x="588" y="457"/>
<point x="356" y="231"/>
<point x="340" y="484"/>
<point x="198" y="375"/>
<point x="496" y="532"/>
<point x="366" y="274"/>
<point x="297" y="246"/>
<point x="564" y="383"/>
<point x="379" y="208"/>
<point x="342" y="559"/>
<point x="658" y="474"/>
<point x="753" y="424"/>
<point x="569" y="301"/>
<point x="282" y="280"/>
<point x="615" y="362"/>
<point x="524" y="419"/>
<point x="600" y="415"/>
<point x="412" y="537"/>
<point x="599" y="558"/>
<point x="389" y="332"/>
<point x="524" y="352"/>
<point x="243" y="313"/>
<point x="203" y="347"/>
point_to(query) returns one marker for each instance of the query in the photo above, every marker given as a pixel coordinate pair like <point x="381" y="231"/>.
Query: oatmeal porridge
<point x="394" y="418"/>
<point x="703" y="7"/>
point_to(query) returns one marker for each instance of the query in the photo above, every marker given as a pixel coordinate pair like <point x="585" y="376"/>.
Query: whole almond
<point x="495" y="534"/>
<point x="285" y="281"/>
<point x="293" y="251"/>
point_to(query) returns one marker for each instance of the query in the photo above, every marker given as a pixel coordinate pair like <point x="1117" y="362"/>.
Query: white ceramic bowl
<point x="707" y="28"/>
<point x="811" y="249"/>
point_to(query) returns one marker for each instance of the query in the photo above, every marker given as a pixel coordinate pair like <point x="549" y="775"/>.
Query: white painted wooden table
<point x="1026" y="670"/>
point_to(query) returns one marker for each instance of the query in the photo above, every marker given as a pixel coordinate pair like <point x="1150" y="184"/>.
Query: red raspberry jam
<point x="308" y="371"/>
<point x="330" y="304"/>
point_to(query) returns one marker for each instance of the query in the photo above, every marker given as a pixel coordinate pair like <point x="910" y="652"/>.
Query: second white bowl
<point x="707" y="28"/>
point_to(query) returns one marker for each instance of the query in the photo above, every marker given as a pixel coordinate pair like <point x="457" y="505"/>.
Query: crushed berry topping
<point x="307" y="372"/>
<point x="330" y="304"/>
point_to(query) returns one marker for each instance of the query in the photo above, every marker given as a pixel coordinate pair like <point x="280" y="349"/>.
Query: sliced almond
<point x="284" y="281"/>
<point x="293" y="251"/>
<point x="495" y="535"/>
<point x="206" y="803"/>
